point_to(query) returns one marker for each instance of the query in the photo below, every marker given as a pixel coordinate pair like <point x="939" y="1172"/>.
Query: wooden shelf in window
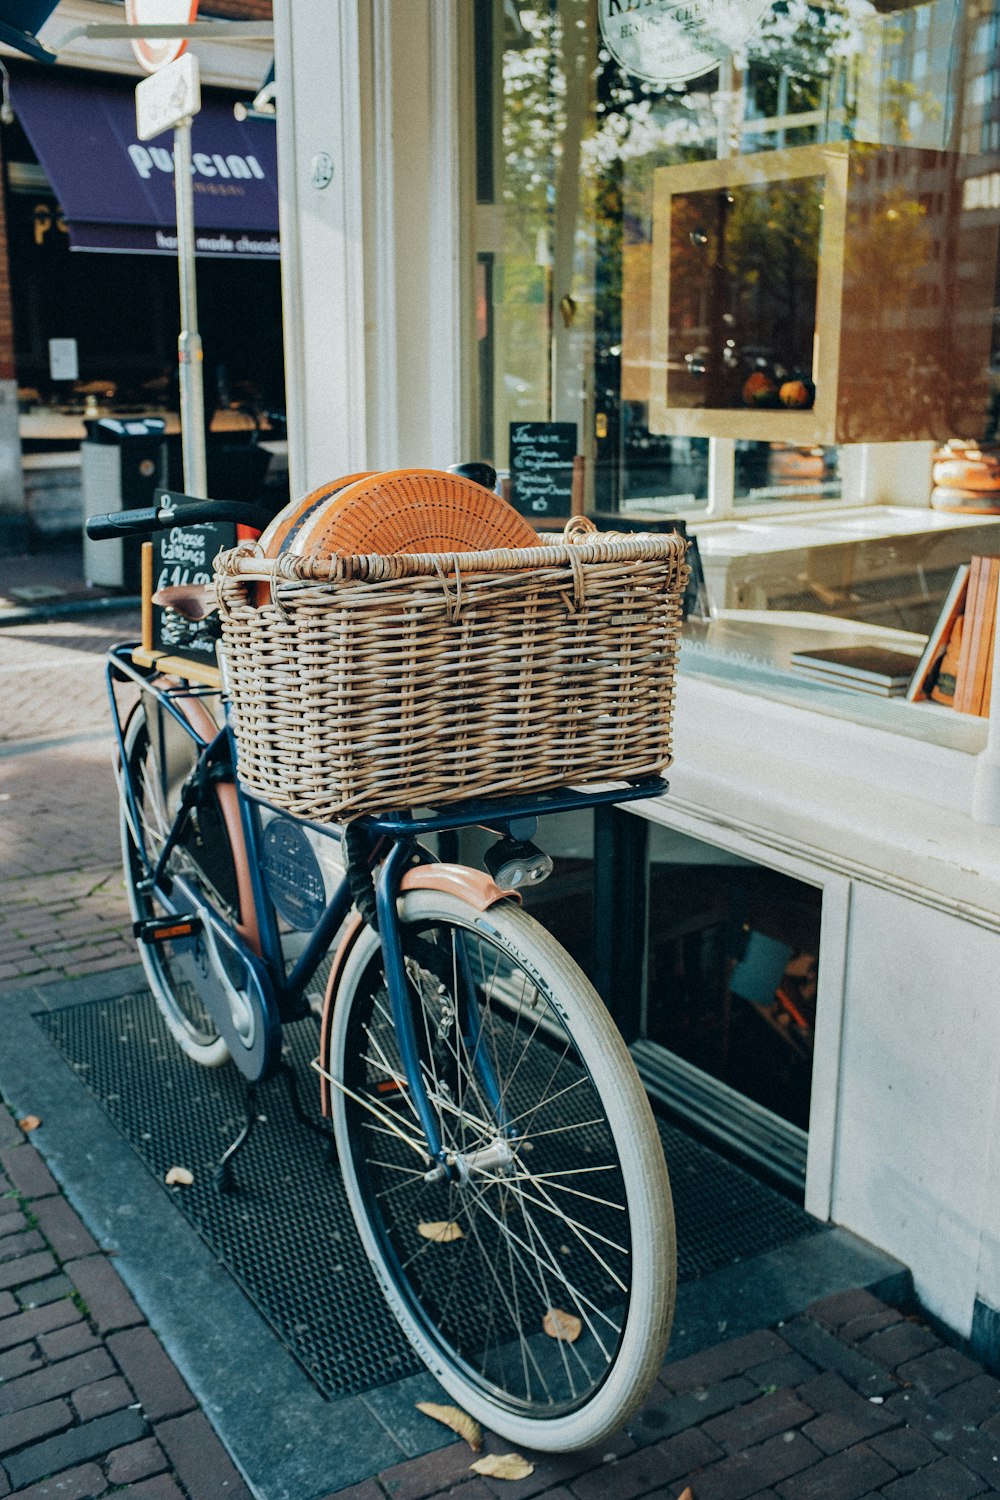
<point x="857" y="264"/>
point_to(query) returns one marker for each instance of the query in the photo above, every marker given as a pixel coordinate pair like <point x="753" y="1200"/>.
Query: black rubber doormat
<point x="286" y="1233"/>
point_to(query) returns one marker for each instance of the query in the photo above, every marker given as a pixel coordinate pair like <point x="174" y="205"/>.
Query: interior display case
<point x="834" y="293"/>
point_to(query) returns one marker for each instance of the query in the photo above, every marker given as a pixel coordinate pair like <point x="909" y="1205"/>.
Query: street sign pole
<point x="189" y="351"/>
<point x="171" y="97"/>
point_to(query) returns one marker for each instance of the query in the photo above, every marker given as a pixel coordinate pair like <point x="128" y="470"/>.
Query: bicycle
<point x="499" y="1153"/>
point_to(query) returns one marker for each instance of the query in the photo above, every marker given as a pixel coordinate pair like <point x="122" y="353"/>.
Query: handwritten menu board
<point x="541" y="467"/>
<point x="184" y="555"/>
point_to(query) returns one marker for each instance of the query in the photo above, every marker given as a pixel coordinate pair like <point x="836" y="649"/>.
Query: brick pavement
<point x="852" y="1400"/>
<point x="89" y="1402"/>
<point x="64" y="911"/>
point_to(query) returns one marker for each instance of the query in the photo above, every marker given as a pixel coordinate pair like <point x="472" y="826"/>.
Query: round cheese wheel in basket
<point x="411" y="510"/>
<point x="400" y="510"/>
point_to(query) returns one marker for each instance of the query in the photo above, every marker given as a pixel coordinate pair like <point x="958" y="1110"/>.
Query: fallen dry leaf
<point x="442" y="1230"/>
<point x="179" y="1177"/>
<point x="459" y="1421"/>
<point x="503" y="1466"/>
<point x="688" y="1494"/>
<point x="30" y="1122"/>
<point x="562" y="1325"/>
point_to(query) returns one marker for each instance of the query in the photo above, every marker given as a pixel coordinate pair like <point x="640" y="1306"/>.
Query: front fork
<point x="401" y="1001"/>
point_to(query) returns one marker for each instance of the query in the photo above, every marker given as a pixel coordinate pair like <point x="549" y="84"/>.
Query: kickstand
<point x="224" y="1171"/>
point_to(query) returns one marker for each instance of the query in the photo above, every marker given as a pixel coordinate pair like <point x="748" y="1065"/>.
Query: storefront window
<point x="748" y="270"/>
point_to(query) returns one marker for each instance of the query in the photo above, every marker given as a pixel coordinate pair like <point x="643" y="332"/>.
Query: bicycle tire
<point x="186" y="1018"/>
<point x="531" y="1242"/>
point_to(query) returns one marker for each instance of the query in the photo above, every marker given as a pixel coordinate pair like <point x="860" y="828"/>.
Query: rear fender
<point x="205" y="726"/>
<point x="472" y="886"/>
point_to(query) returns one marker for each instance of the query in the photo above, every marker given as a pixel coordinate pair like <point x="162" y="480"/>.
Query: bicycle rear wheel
<point x="189" y="1022"/>
<point x="537" y="1279"/>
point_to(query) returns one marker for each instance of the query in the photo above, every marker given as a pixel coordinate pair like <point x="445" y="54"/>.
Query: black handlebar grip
<point x="121" y="523"/>
<point x="169" y="512"/>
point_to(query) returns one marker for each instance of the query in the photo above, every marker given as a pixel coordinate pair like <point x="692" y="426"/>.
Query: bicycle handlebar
<point x="174" y="509"/>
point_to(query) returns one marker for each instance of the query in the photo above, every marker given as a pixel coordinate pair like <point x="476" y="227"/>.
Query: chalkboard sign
<point x="184" y="555"/>
<point x="541" y="467"/>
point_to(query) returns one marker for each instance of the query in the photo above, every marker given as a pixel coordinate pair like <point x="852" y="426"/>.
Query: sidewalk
<point x="846" y="1398"/>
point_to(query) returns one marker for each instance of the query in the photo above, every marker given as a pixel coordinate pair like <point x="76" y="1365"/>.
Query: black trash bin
<point x="123" y="461"/>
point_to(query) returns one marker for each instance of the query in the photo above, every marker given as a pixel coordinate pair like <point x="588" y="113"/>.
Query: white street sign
<point x="165" y="98"/>
<point x="154" y="53"/>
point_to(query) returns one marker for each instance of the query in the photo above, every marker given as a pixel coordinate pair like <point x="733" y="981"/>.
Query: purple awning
<point x="117" y="192"/>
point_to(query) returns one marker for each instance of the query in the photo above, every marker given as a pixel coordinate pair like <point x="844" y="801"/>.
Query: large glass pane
<point x="751" y="276"/>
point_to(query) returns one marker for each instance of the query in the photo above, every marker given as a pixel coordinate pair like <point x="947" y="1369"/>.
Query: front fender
<point x="473" y="886"/>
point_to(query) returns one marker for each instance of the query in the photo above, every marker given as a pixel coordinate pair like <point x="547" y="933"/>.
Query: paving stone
<point x="424" y="1476"/>
<point x="742" y="1474"/>
<point x="939" y="1370"/>
<point x="13" y="1245"/>
<point x="974" y="1400"/>
<point x="369" y="1489"/>
<point x="946" y="1480"/>
<point x="102" y="1289"/>
<point x="55" y="1380"/>
<point x="830" y="1354"/>
<point x="786" y="1370"/>
<point x="758" y="1420"/>
<point x="51" y="1289"/>
<point x="160" y="1488"/>
<point x="27" y="1325"/>
<point x="12" y="1220"/>
<point x="723" y="1360"/>
<point x="151" y="1373"/>
<point x="202" y="1464"/>
<point x="102" y="1396"/>
<point x="28" y="1172"/>
<point x="137" y="1461"/>
<point x="894" y="1346"/>
<point x="647" y="1470"/>
<point x="977" y="1449"/>
<point x="28" y="1426"/>
<point x="17" y="1273"/>
<point x="75" y="1447"/>
<point x="844" y="1307"/>
<point x="845" y="1476"/>
<point x="859" y="1329"/>
<point x="837" y="1430"/>
<point x="64" y="1230"/>
<point x="905" y="1449"/>
<point x="8" y="1304"/>
<point x="77" y="1484"/>
<point x="558" y="1470"/>
<point x="665" y="1414"/>
<point x="66" y="1341"/>
<point x="19" y="1361"/>
<point x="10" y="1131"/>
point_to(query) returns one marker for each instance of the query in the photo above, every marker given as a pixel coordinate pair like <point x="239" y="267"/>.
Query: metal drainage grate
<point x="286" y="1233"/>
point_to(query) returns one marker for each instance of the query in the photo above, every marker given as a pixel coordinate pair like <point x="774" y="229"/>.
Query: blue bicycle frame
<point x="281" y="995"/>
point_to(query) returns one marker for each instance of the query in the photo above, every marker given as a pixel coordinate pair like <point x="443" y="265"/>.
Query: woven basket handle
<point x="585" y="546"/>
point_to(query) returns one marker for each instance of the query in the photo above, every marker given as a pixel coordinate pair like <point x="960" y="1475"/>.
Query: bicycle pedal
<point x="165" y="929"/>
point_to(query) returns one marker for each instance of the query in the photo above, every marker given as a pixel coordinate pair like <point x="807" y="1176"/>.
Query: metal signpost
<point x="172" y="97"/>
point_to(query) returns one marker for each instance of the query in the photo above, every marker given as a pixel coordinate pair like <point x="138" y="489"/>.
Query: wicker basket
<point x="378" y="683"/>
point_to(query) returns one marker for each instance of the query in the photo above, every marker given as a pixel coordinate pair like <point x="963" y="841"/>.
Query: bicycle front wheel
<point x="536" y="1276"/>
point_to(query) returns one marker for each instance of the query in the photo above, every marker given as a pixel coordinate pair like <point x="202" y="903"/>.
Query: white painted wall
<point x="371" y="264"/>
<point x="318" y="68"/>
<point x="919" y="1064"/>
